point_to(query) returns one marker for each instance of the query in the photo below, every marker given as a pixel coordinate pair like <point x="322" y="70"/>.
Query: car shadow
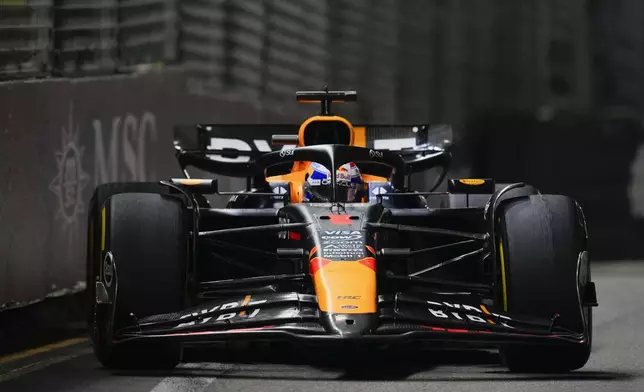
<point x="289" y="363"/>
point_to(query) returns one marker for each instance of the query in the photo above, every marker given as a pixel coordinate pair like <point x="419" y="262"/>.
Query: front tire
<point x="146" y="236"/>
<point x="543" y="238"/>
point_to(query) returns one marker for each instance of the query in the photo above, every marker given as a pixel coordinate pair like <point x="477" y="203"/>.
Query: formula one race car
<point x="329" y="245"/>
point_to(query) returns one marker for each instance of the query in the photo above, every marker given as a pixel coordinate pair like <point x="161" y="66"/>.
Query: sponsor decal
<point x="343" y="176"/>
<point x="348" y="298"/>
<point x="108" y="269"/>
<point x="453" y="311"/>
<point x="124" y="157"/>
<point x="379" y="191"/>
<point x="282" y="190"/>
<point x="253" y="139"/>
<point x="241" y="146"/>
<point x="221" y="317"/>
<point x="283" y="235"/>
<point x="346" y="239"/>
<point x="287" y="152"/>
<point x="332" y="244"/>
<point x="318" y="181"/>
<point x="70" y="182"/>
<point x="471" y="181"/>
<point x="205" y="315"/>
<point x="342" y="237"/>
<point x="342" y="244"/>
<point x="396" y="143"/>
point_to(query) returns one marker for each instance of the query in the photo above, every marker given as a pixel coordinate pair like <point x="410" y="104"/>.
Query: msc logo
<point x="124" y="156"/>
<point x="71" y="179"/>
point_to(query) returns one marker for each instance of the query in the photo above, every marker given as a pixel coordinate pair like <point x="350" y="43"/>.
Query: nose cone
<point x="349" y="324"/>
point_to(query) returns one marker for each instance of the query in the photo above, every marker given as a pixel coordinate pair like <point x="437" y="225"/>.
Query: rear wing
<point x="229" y="149"/>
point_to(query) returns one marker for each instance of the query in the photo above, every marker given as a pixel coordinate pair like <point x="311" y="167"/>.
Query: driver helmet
<point x="318" y="188"/>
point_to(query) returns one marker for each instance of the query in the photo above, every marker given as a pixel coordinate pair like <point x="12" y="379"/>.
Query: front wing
<point x="401" y="318"/>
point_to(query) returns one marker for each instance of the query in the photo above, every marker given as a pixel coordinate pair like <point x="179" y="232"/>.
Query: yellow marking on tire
<point x="103" y="219"/>
<point x="40" y="350"/>
<point x="504" y="285"/>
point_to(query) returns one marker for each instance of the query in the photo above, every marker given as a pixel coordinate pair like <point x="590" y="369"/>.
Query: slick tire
<point x="526" y="190"/>
<point x="146" y="236"/>
<point x="99" y="197"/>
<point x="543" y="237"/>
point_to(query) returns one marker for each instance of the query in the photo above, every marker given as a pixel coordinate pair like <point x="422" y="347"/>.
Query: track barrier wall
<point x="60" y="139"/>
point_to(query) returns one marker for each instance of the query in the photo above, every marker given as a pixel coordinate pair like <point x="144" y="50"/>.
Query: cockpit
<point x="323" y="129"/>
<point x="325" y="139"/>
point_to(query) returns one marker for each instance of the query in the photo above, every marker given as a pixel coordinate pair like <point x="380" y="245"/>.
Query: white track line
<point x="192" y="383"/>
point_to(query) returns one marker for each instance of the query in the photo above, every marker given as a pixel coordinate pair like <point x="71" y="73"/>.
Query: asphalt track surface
<point x="617" y="362"/>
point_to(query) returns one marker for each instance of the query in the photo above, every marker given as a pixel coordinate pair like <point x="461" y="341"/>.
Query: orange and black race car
<point x="329" y="244"/>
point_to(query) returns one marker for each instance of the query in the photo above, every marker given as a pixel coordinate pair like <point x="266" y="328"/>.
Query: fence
<point x="259" y="49"/>
<point x="413" y="60"/>
<point x="78" y="38"/>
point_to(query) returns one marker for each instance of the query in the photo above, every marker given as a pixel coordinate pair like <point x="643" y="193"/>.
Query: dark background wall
<point x="544" y="91"/>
